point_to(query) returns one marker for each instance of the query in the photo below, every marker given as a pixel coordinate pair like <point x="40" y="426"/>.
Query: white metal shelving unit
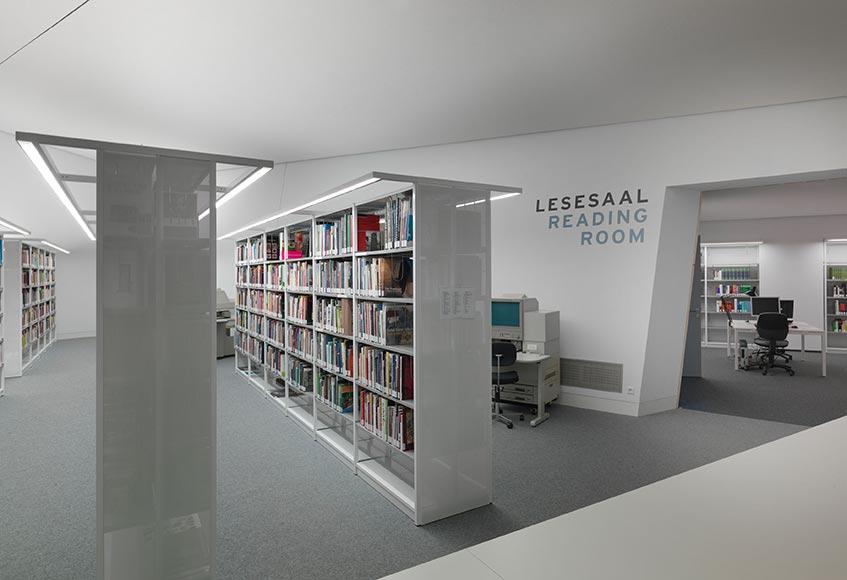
<point x="2" y="334"/>
<point x="835" y="294"/>
<point x="731" y="270"/>
<point x="29" y="304"/>
<point x="448" y="468"/>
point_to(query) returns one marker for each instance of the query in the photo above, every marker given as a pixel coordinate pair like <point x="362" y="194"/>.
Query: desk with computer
<point x="524" y="356"/>
<point x="773" y="320"/>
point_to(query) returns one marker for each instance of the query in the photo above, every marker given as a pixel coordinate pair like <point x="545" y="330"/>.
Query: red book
<point x="408" y="378"/>
<point x="365" y="224"/>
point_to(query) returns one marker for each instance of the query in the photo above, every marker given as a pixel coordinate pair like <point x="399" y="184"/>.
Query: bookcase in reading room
<point x="2" y="335"/>
<point x="381" y="347"/>
<point x="29" y="304"/>
<point x="730" y="271"/>
<point x="835" y="300"/>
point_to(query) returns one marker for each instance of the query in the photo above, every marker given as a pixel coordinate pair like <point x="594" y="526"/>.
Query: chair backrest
<point x="772" y="326"/>
<point x="507" y="351"/>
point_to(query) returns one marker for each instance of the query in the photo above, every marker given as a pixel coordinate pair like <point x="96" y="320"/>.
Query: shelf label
<point x="457" y="303"/>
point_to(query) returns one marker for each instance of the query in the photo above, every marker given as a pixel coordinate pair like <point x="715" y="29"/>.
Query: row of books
<point x="722" y="289"/>
<point x="838" y="325"/>
<point x="736" y="273"/>
<point x="34" y="295"/>
<point x="32" y="314"/>
<point x="300" y="275"/>
<point x="398" y="221"/>
<point x="300" y="340"/>
<point x="387" y="420"/>
<point x="299" y="308"/>
<point x="276" y="276"/>
<point x="37" y="277"/>
<point x="335" y="392"/>
<point x="255" y="323"/>
<point x="839" y="290"/>
<point x="388" y="372"/>
<point x="385" y="323"/>
<point x="256" y="299"/>
<point x="839" y="307"/>
<point x="300" y="373"/>
<point x="241" y="297"/>
<point x="335" y="314"/>
<point x="275" y="359"/>
<point x="836" y="272"/>
<point x="31" y="335"/>
<point x="335" y="353"/>
<point x="36" y="258"/>
<point x="252" y="346"/>
<point x="335" y="237"/>
<point x="275" y="303"/>
<point x="276" y="330"/>
<point x="256" y="275"/>
<point x="250" y="250"/>
<point x="335" y="276"/>
<point x="735" y="305"/>
<point x="385" y="276"/>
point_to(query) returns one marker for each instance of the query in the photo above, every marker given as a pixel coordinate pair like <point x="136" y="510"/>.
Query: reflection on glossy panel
<point x="155" y="381"/>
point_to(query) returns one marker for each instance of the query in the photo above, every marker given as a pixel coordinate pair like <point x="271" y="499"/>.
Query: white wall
<point x="605" y="293"/>
<point x="76" y="314"/>
<point x="225" y="267"/>
<point x="791" y="258"/>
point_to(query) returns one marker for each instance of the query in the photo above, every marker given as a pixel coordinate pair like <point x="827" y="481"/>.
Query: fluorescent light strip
<point x="41" y="165"/>
<point x="12" y="226"/>
<point x="54" y="246"/>
<point x="251" y="179"/>
<point x="493" y="198"/>
<point x="326" y="197"/>
<point x="729" y="244"/>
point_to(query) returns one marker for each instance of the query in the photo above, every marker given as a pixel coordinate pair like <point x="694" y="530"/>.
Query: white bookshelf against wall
<point x="835" y="298"/>
<point x="366" y="319"/>
<point x="29" y="304"/>
<point x="729" y="270"/>
<point x="2" y="334"/>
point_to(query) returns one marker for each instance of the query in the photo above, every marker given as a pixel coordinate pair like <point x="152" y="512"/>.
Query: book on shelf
<point x="335" y="315"/>
<point x="275" y="359"/>
<point x="275" y="305"/>
<point x="385" y="323"/>
<point x="298" y="307"/>
<point x="387" y="372"/>
<point x="272" y="247"/>
<point x="300" y="340"/>
<point x="276" y="276"/>
<point x="256" y="299"/>
<point x="335" y="353"/>
<point x="300" y="373"/>
<point x="836" y="273"/>
<point x="368" y="233"/>
<point x="390" y="421"/>
<point x="335" y="276"/>
<point x="300" y="275"/>
<point x="398" y="221"/>
<point x="389" y="277"/>
<point x="275" y="330"/>
<point x="335" y="392"/>
<point x="334" y="237"/>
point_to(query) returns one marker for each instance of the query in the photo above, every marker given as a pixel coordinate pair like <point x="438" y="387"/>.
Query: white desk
<point x="801" y="328"/>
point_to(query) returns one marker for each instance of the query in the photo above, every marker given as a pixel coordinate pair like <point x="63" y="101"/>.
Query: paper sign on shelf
<point x="457" y="303"/>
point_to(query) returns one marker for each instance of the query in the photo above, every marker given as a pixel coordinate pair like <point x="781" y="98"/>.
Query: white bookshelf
<point x="727" y="269"/>
<point x="835" y="294"/>
<point x="29" y="304"/>
<point x="447" y="470"/>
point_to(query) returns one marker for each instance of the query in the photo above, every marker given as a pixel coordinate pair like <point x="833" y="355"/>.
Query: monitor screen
<point x="765" y="304"/>
<point x="787" y="308"/>
<point x="505" y="314"/>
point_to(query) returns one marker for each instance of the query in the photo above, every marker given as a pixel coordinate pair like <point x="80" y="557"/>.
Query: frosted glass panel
<point x="155" y="357"/>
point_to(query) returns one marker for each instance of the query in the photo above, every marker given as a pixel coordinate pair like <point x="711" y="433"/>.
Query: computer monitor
<point x="787" y="308"/>
<point x="507" y="318"/>
<point x="765" y="304"/>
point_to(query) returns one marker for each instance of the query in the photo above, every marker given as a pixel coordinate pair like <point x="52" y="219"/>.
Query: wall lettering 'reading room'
<point x="610" y="219"/>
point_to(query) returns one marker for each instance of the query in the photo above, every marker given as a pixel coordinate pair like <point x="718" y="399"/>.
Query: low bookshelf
<point x="367" y="321"/>
<point x="29" y="304"/>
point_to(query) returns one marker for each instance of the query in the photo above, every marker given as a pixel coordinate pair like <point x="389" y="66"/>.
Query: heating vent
<point x="592" y="374"/>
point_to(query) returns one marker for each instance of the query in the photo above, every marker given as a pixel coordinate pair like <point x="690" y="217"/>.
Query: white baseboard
<point x="593" y="403"/>
<point x="80" y="334"/>
<point x="657" y="406"/>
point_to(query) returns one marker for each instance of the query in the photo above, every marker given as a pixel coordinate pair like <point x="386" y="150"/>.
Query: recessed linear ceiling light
<point x="11" y="226"/>
<point x="322" y="199"/>
<point x="41" y="165"/>
<point x="251" y="179"/>
<point x="493" y="198"/>
<point x="54" y="246"/>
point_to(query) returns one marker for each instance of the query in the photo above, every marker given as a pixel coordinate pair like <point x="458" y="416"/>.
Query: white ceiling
<point x="292" y="79"/>
<point x="807" y="198"/>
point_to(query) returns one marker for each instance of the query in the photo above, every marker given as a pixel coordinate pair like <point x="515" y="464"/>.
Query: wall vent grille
<point x="592" y="374"/>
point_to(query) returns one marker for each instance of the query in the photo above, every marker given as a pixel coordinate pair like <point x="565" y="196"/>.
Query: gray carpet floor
<point x="807" y="398"/>
<point x="289" y="509"/>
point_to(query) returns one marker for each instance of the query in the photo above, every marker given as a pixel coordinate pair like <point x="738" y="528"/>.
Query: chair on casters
<point x="772" y="328"/>
<point x="503" y="354"/>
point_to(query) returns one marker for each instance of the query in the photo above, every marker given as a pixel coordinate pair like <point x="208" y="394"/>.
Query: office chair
<point x="503" y="354"/>
<point x="772" y="328"/>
